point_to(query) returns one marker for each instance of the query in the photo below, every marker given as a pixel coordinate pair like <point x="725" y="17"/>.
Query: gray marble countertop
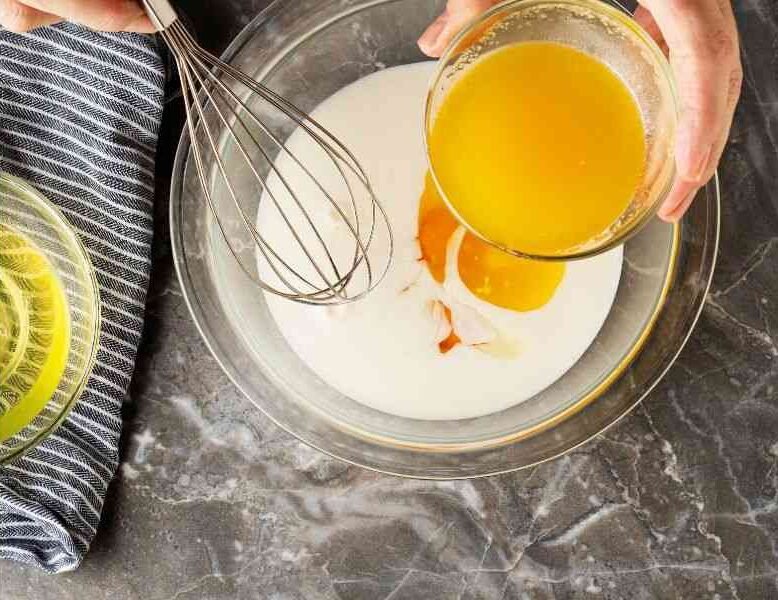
<point x="680" y="500"/>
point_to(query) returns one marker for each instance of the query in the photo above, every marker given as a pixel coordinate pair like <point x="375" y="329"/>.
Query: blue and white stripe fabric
<point x="79" y="119"/>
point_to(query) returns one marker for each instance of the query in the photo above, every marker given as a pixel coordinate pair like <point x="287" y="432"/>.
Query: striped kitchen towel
<point x="79" y="119"/>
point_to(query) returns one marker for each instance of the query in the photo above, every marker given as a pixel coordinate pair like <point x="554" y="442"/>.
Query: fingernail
<point x="676" y="213"/>
<point x="429" y="38"/>
<point x="675" y="198"/>
<point x="700" y="166"/>
<point x="691" y="162"/>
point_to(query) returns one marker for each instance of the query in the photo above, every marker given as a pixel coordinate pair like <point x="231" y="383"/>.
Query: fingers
<point x="684" y="191"/>
<point x="18" y="17"/>
<point x="102" y="15"/>
<point x="429" y="40"/>
<point x="678" y="200"/>
<point x="457" y="14"/>
<point x="704" y="54"/>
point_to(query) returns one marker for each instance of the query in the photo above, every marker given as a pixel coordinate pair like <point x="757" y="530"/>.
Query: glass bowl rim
<point x="52" y="214"/>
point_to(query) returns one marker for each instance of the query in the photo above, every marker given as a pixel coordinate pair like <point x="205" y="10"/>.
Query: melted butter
<point x="539" y="147"/>
<point x="489" y="273"/>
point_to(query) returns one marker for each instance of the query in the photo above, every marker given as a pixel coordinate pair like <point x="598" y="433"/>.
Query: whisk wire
<point x="219" y="88"/>
<point x="336" y="152"/>
<point x="193" y="107"/>
<point x="285" y="181"/>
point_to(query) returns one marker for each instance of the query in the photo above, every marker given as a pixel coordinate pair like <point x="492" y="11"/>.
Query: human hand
<point x="700" y="37"/>
<point x="102" y="15"/>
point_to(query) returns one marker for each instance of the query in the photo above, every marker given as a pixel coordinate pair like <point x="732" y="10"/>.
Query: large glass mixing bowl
<point x="307" y="50"/>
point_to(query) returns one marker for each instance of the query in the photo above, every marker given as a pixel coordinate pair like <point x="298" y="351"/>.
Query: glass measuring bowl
<point x="607" y="33"/>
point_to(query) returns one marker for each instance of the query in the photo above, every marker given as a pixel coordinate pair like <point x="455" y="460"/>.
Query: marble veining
<point x="679" y="500"/>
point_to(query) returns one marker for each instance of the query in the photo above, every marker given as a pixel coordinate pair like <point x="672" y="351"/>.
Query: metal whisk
<point x="293" y="204"/>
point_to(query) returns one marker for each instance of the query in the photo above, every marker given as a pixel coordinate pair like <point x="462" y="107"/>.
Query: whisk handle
<point x="161" y="13"/>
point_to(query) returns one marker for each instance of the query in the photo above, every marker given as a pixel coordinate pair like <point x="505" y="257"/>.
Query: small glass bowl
<point x="26" y="211"/>
<point x="608" y="33"/>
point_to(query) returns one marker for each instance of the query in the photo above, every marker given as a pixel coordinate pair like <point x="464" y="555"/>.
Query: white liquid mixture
<point x="383" y="351"/>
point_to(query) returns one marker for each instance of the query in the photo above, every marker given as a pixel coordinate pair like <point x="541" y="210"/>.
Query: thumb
<point x="457" y="15"/>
